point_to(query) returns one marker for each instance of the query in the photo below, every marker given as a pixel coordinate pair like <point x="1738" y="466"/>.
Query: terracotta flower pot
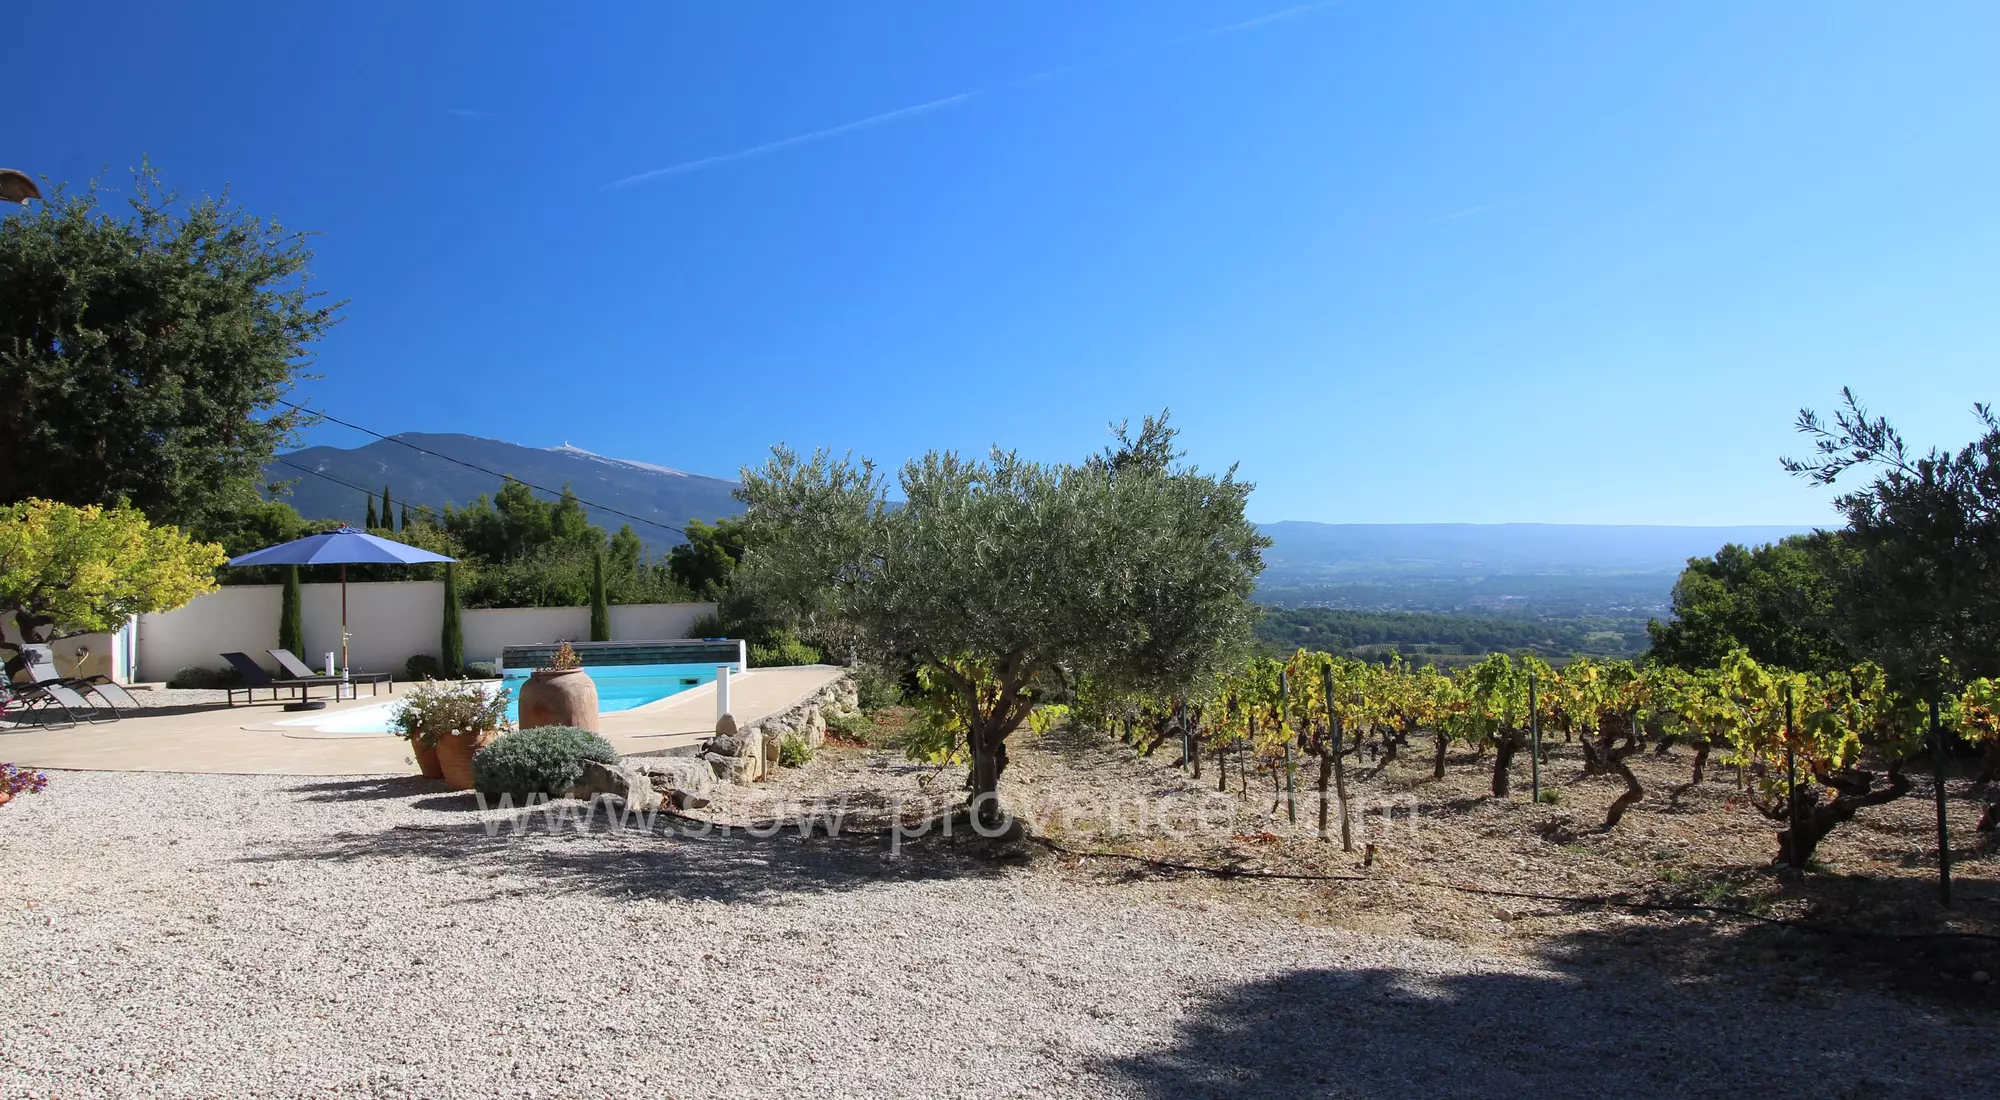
<point x="454" y="755"/>
<point x="6" y="797"/>
<point x="559" y="697"/>
<point x="427" y="758"/>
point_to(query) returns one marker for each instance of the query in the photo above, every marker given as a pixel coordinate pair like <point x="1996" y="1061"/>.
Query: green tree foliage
<point x="522" y="551"/>
<point x="1339" y="631"/>
<point x="1926" y="537"/>
<point x="1007" y="579"/>
<point x="1780" y="603"/>
<point x="66" y="570"/>
<point x="372" y="521"/>
<point x="291" y="627"/>
<point x="405" y="524"/>
<point x="451" y="640"/>
<point x="600" y="611"/>
<point x="142" y="357"/>
<point x="707" y="561"/>
<point x="388" y="510"/>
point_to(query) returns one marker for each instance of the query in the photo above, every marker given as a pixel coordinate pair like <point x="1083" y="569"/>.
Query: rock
<point x="773" y="748"/>
<point x="689" y="800"/>
<point x="1981" y="977"/>
<point x="677" y="773"/>
<point x="629" y="785"/>
<point x="725" y="726"/>
<point x="740" y="770"/>
<point x="815" y="728"/>
<point x="726" y="745"/>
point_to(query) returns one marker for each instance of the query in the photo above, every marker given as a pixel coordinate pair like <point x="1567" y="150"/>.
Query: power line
<point x="475" y="466"/>
<point x="425" y="509"/>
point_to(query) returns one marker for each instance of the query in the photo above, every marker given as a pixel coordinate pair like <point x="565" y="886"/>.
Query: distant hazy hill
<point x="654" y="492"/>
<point x="1531" y="568"/>
<point x="1535" y="567"/>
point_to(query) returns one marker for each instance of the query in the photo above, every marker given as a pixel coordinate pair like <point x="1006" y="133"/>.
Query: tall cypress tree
<point x="406" y="516"/>
<point x="369" y="523"/>
<point x="388" y="510"/>
<point x="452" y="641"/>
<point x="600" y="611"/>
<point x="291" y="629"/>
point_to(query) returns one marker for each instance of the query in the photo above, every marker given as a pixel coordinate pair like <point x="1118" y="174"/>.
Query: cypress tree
<point x="291" y="630"/>
<point x="452" y="641"/>
<point x="600" y="612"/>
<point x="406" y="516"/>
<point x="388" y="510"/>
<point x="369" y="524"/>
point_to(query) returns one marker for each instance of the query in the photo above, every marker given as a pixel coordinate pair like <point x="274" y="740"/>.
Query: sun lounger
<point x="38" y="697"/>
<point x="255" y="677"/>
<point x="42" y="669"/>
<point x="289" y="661"/>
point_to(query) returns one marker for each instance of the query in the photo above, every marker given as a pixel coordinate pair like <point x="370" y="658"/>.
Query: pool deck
<point x="246" y="740"/>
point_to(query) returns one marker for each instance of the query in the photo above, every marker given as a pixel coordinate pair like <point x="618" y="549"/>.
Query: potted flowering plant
<point x="17" y="780"/>
<point x="452" y="721"/>
<point x="562" y="694"/>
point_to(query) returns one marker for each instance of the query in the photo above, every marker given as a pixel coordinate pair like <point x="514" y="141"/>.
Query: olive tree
<point x="1009" y="580"/>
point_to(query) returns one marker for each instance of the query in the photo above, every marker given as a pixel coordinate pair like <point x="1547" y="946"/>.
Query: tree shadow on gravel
<point x="1689" y="1009"/>
<point x="555" y="850"/>
<point x="362" y="789"/>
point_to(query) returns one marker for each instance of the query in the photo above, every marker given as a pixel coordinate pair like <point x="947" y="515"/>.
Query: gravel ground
<point x="177" y="935"/>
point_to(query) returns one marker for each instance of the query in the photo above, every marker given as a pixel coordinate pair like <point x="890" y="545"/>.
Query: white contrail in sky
<point x="768" y="147"/>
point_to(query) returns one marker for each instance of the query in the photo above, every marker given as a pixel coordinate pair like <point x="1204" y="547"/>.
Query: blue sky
<point x="1404" y="260"/>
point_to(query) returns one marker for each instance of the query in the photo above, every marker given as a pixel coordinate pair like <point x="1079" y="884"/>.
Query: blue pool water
<point x="622" y="687"/>
<point x="619" y="687"/>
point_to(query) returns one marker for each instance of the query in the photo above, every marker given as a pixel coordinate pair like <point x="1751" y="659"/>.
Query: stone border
<point x="746" y="755"/>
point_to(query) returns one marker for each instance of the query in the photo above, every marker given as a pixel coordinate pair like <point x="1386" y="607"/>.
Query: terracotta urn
<point x="559" y="697"/>
<point x="454" y="756"/>
<point x="427" y="758"/>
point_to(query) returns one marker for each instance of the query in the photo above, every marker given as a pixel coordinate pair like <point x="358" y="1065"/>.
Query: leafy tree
<point x="1926" y="536"/>
<point x="600" y="611"/>
<point x="291" y="629"/>
<point x="451" y="640"/>
<point x="143" y="358"/>
<point x="707" y="561"/>
<point x="1781" y="603"/>
<point x="67" y="570"/>
<point x="1009" y="579"/>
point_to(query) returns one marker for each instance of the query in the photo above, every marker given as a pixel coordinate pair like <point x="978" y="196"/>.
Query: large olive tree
<point x="1008" y="579"/>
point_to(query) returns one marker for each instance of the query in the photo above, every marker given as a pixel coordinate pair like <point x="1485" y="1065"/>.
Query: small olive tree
<point x="1010" y="580"/>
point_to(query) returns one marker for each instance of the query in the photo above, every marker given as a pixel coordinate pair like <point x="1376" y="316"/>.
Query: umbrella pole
<point x="343" y="616"/>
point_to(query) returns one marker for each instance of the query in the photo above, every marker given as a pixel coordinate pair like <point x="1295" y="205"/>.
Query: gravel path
<point x="177" y="935"/>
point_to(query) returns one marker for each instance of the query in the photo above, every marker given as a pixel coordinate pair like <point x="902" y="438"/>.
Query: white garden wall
<point x="388" y="622"/>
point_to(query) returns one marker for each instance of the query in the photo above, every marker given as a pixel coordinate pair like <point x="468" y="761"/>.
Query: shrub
<point x="793" y="752"/>
<point x="433" y="710"/>
<point x="565" y="658"/>
<point x="195" y="677"/>
<point x="544" y="760"/>
<point x="707" y="625"/>
<point x="423" y="666"/>
<point x="876" y="688"/>
<point x="483" y="670"/>
<point x="785" y="649"/>
<point x="1552" y="797"/>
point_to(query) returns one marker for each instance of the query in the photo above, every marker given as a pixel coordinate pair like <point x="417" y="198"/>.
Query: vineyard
<point x="1807" y="752"/>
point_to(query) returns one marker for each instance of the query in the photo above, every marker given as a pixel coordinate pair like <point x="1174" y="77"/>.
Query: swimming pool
<point x="619" y="688"/>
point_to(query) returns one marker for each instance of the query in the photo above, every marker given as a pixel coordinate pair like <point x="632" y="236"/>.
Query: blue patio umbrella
<point x="342" y="546"/>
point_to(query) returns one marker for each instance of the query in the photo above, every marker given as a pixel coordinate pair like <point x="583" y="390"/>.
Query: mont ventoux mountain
<point x="1528" y="568"/>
